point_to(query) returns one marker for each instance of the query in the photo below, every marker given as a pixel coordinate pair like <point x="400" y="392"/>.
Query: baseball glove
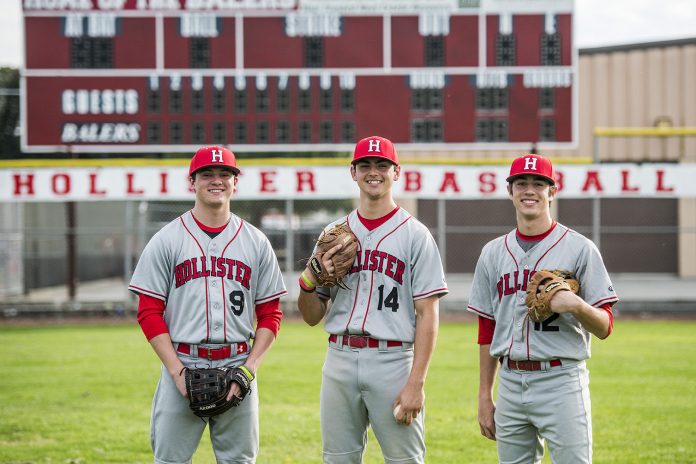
<point x="342" y="260"/>
<point x="208" y="389"/>
<point x="539" y="301"/>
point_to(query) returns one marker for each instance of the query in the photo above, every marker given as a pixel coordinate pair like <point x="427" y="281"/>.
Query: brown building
<point x="640" y="86"/>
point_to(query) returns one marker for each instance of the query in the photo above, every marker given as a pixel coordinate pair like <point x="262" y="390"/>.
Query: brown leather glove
<point x="342" y="260"/>
<point x="539" y="301"/>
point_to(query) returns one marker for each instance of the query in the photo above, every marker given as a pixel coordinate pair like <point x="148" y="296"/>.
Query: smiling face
<point x="375" y="176"/>
<point x="531" y="195"/>
<point x="214" y="186"/>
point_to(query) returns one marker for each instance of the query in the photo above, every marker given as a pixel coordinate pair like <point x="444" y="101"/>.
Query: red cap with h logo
<point x="213" y="156"/>
<point x="377" y="147"/>
<point x="532" y="164"/>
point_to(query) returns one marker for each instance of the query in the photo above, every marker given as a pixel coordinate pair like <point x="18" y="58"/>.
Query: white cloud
<point x="11" y="32"/>
<point x="611" y="22"/>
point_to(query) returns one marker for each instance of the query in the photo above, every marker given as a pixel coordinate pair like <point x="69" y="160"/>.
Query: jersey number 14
<point x="391" y="301"/>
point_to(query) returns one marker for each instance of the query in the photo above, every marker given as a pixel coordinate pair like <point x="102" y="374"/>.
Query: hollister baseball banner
<point x="326" y="182"/>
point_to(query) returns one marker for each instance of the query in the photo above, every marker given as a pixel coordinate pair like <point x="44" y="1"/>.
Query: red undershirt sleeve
<point x="486" y="329"/>
<point x="607" y="308"/>
<point x="268" y="315"/>
<point x="151" y="316"/>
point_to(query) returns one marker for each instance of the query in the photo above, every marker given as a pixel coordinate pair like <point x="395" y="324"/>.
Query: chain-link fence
<point x="67" y="247"/>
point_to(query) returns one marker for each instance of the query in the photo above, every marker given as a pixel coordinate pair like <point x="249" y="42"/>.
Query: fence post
<point x="596" y="205"/>
<point x="128" y="232"/>
<point x="289" y="236"/>
<point x="442" y="231"/>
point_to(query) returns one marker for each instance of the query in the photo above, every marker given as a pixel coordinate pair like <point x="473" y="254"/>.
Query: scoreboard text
<point x="297" y="75"/>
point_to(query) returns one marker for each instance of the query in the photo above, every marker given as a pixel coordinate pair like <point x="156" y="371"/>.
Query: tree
<point x="9" y="112"/>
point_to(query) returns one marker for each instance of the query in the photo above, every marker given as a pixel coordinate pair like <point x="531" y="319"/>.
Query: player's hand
<point x="235" y="390"/>
<point x="328" y="262"/>
<point x="180" y="382"/>
<point x="566" y="302"/>
<point x="411" y="399"/>
<point x="486" y="418"/>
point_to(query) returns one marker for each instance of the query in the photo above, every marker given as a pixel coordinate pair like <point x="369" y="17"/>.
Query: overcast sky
<point x="599" y="22"/>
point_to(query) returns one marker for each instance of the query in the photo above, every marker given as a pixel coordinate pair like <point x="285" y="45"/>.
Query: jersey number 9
<point x="237" y="302"/>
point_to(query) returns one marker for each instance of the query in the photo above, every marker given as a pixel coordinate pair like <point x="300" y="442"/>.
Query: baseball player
<point x="383" y="326"/>
<point x="543" y="382"/>
<point x="200" y="281"/>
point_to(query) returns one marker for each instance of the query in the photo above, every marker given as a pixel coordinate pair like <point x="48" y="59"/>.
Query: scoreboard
<point x="131" y="76"/>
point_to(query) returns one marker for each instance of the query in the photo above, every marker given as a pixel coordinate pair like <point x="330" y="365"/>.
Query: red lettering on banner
<point x="487" y="182"/>
<point x="93" y="190"/>
<point x="624" y="182"/>
<point x="267" y="181"/>
<point x="412" y="181"/>
<point x="131" y="189"/>
<point x="661" y="182"/>
<point x="163" y="182"/>
<point x="305" y="177"/>
<point x="558" y="177"/>
<point x="66" y="184"/>
<point x="26" y="183"/>
<point x="592" y="179"/>
<point x="449" y="181"/>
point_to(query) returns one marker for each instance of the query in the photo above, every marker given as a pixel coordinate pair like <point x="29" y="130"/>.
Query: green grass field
<point x="82" y="394"/>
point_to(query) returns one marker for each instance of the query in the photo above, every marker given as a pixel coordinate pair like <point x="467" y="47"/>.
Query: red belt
<point x="214" y="353"/>
<point x="362" y="341"/>
<point x="527" y="365"/>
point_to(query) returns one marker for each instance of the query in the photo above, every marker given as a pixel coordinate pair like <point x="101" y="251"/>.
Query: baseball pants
<point x="359" y="386"/>
<point x="175" y="431"/>
<point x="552" y="405"/>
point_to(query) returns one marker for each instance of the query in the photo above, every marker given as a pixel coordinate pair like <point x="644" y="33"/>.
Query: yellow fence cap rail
<point x="644" y="131"/>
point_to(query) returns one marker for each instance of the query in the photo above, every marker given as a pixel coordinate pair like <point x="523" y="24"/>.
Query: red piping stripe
<point x="367" y="310"/>
<point x="611" y="299"/>
<point x="517" y="269"/>
<point x="147" y="292"/>
<point x="263" y="300"/>
<point x="207" y="309"/>
<point x="438" y="290"/>
<point x="481" y="313"/>
<point x="550" y="248"/>
<point x="222" y="280"/>
<point x="355" y="300"/>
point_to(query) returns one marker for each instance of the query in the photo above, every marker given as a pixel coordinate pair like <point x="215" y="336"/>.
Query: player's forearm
<point x="311" y="307"/>
<point x="262" y="343"/>
<point x="488" y="367"/>
<point x="427" y="324"/>
<point x="162" y="344"/>
<point x="594" y="320"/>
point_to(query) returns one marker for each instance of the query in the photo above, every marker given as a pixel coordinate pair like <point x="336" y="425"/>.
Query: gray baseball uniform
<point x="553" y="402"/>
<point x="397" y="264"/>
<point x="211" y="287"/>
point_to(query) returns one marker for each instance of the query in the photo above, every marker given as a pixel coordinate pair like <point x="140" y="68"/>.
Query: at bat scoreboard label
<point x="120" y="76"/>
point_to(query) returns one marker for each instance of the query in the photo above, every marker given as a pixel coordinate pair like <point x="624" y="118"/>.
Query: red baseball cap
<point x="377" y="147"/>
<point x="213" y="156"/>
<point x="532" y="164"/>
